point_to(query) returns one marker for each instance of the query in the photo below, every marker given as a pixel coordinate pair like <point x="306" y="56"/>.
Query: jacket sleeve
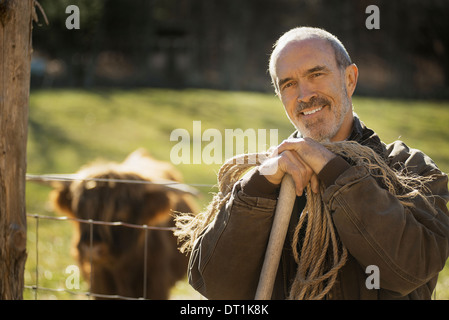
<point x="226" y="259"/>
<point x="409" y="245"/>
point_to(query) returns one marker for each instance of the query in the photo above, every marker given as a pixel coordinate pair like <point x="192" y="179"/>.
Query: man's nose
<point x="305" y="93"/>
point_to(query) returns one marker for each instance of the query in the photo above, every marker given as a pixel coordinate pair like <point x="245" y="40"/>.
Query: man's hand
<point x="303" y="159"/>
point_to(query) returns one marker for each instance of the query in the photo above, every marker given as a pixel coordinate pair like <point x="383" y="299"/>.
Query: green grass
<point x="69" y="128"/>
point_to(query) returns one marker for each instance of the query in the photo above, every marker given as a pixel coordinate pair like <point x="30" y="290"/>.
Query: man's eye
<point x="288" y="85"/>
<point x="316" y="75"/>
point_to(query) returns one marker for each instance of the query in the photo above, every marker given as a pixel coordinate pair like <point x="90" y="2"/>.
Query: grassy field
<point x="69" y="128"/>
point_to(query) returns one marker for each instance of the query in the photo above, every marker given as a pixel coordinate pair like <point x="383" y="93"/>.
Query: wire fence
<point x="36" y="287"/>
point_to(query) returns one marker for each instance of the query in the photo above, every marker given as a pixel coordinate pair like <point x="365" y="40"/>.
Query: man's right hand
<point x="303" y="159"/>
<point x="290" y="162"/>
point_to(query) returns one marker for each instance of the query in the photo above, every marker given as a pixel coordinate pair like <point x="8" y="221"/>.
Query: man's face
<point x="314" y="91"/>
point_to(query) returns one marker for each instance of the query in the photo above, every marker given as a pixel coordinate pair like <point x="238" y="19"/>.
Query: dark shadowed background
<point x="225" y="44"/>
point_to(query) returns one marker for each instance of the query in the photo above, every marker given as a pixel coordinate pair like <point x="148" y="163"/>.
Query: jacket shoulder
<point x="401" y="156"/>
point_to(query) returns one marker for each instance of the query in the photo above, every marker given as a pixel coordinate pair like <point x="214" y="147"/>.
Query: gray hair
<point x="341" y="55"/>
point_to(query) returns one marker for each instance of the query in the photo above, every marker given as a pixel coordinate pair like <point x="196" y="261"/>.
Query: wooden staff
<point x="278" y="232"/>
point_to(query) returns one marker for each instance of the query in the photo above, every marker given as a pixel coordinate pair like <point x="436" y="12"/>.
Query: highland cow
<point x="113" y="258"/>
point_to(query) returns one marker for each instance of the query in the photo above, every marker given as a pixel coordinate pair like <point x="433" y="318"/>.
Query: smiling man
<point x="314" y="86"/>
<point x="315" y="79"/>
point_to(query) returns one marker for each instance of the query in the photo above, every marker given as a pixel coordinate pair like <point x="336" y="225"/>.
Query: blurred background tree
<point x="226" y="44"/>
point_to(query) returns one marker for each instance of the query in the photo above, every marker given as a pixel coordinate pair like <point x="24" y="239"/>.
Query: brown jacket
<point x="410" y="247"/>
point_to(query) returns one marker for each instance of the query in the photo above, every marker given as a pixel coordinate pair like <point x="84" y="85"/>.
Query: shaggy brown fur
<point x="117" y="252"/>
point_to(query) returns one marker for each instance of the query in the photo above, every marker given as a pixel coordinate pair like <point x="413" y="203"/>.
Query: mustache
<point x="314" y="102"/>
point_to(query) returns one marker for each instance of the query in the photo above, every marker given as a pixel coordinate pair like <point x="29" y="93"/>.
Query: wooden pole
<point x="15" y="61"/>
<point x="278" y="232"/>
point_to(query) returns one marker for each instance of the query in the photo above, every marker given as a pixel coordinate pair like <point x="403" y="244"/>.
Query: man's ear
<point x="351" y="76"/>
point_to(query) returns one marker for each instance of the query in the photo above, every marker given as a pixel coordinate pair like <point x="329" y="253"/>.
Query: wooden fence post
<point x="15" y="61"/>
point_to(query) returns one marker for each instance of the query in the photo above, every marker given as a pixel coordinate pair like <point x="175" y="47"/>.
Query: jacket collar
<point x="366" y="137"/>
